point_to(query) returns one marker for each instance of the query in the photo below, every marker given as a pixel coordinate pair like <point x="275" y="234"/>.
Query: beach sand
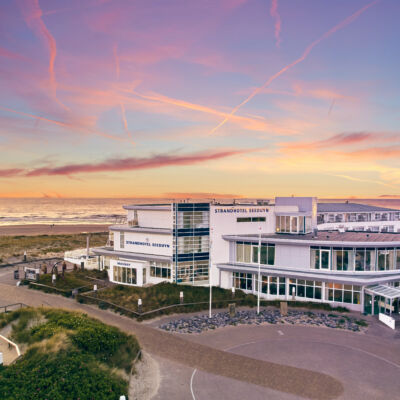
<point x="32" y="230"/>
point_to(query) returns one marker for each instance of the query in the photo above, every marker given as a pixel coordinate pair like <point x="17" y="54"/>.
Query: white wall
<point x="147" y="243"/>
<point x="153" y="218"/>
<point x="223" y="222"/>
<point x="292" y="256"/>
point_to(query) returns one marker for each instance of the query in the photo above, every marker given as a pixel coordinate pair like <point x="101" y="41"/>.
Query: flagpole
<point x="259" y="272"/>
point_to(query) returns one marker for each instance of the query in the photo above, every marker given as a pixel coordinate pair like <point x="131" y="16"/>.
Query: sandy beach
<point x="32" y="230"/>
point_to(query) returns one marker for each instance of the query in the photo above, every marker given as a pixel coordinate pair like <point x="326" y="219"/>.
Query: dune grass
<point x="69" y="355"/>
<point x="43" y="245"/>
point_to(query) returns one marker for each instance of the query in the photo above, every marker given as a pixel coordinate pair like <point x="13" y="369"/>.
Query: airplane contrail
<point x="33" y="18"/>
<point x="274" y="14"/>
<point x="305" y="54"/>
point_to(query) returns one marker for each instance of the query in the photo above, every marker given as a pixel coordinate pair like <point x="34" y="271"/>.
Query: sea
<point x="22" y="211"/>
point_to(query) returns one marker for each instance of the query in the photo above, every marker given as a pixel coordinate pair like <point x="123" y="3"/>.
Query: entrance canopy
<point x="389" y="292"/>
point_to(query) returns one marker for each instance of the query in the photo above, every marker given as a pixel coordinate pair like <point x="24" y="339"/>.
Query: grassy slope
<point x="165" y="294"/>
<point x="69" y="356"/>
<point x="74" y="279"/>
<point x="41" y="245"/>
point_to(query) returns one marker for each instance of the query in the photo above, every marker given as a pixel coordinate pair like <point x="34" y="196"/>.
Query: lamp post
<point x="209" y="273"/>
<point x="259" y="271"/>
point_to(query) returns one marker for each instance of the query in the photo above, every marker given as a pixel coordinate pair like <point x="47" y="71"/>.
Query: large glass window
<point x="306" y="289"/>
<point x="386" y="259"/>
<point x="289" y="224"/>
<point x="242" y="281"/>
<point x="267" y="254"/>
<point x="248" y="253"/>
<point x="320" y="258"/>
<point x="342" y="293"/>
<point x="273" y="285"/>
<point x="192" y="219"/>
<point x="192" y="271"/>
<point x="193" y="244"/>
<point x="160" y="270"/>
<point x="124" y="275"/>
<point x="122" y="240"/>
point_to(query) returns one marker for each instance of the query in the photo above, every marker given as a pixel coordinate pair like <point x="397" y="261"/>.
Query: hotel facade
<point x="299" y="257"/>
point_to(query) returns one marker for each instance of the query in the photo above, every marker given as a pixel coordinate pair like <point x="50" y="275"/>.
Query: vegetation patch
<point x="84" y="280"/>
<point x="42" y="245"/>
<point x="167" y="294"/>
<point x="69" y="355"/>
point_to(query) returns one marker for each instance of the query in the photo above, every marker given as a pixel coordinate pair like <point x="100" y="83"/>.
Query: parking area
<point x="366" y="364"/>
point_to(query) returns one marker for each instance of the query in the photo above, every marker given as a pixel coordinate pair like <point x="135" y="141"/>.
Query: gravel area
<point x="201" y="323"/>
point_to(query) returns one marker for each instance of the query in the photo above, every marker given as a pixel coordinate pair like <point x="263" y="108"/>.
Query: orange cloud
<point x="305" y="54"/>
<point x="202" y="195"/>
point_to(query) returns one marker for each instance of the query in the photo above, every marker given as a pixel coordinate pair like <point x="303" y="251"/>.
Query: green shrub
<point x="57" y="376"/>
<point x="53" y="370"/>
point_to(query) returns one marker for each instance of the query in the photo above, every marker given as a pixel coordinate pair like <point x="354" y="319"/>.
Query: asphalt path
<point x="252" y="362"/>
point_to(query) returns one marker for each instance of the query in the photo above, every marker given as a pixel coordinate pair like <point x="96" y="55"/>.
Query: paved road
<point x="178" y="350"/>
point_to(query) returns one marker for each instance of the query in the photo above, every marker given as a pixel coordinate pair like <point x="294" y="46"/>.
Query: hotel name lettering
<point x="240" y="210"/>
<point x="147" y="244"/>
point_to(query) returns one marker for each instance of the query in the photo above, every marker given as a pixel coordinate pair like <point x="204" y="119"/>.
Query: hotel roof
<point x="350" y="207"/>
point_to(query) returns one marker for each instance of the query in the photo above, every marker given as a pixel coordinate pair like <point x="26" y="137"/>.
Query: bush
<point x="52" y="369"/>
<point x="56" y="376"/>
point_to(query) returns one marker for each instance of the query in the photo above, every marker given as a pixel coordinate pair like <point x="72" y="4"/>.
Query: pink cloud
<point x="125" y="164"/>
<point x="341" y="139"/>
<point x="11" y="172"/>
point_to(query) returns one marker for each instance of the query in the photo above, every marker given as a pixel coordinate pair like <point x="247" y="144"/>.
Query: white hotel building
<point x="190" y="243"/>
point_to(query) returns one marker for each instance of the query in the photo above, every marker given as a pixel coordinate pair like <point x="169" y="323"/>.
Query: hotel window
<point x="386" y="259"/>
<point x="122" y="240"/>
<point x="339" y="218"/>
<point x="342" y="259"/>
<point x="365" y="259"/>
<point x="397" y="258"/>
<point x="306" y="289"/>
<point x="272" y="285"/>
<point x="242" y="281"/>
<point x="320" y="258"/>
<point x="248" y="253"/>
<point x="124" y="275"/>
<point x="192" y="271"/>
<point x="160" y="270"/>
<point x="193" y="244"/>
<point x="268" y="254"/>
<point x="192" y="219"/>
<point x="251" y="219"/>
<point x="342" y="293"/>
<point x="290" y="224"/>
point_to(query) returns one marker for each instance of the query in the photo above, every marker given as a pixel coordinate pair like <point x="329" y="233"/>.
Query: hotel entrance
<point x="382" y="299"/>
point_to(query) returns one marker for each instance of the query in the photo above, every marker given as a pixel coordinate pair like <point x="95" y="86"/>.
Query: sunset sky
<point x="108" y="98"/>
